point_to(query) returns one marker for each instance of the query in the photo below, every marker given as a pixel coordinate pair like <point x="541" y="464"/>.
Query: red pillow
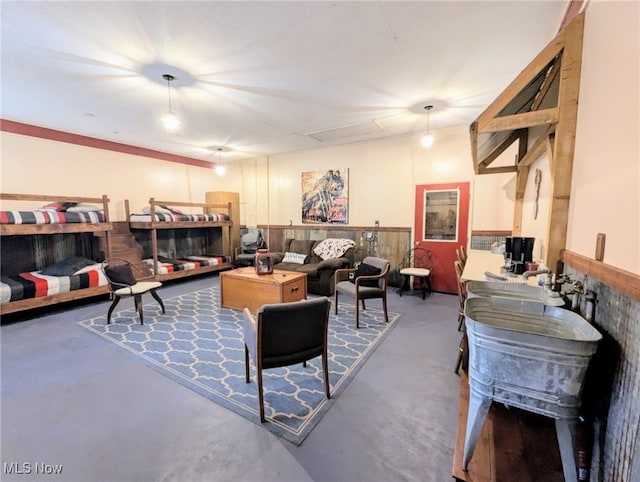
<point x="57" y="206"/>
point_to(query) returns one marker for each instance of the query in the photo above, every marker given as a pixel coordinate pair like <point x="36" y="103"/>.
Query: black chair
<point x="123" y="284"/>
<point x="416" y="263"/>
<point x="369" y="281"/>
<point x="284" y="334"/>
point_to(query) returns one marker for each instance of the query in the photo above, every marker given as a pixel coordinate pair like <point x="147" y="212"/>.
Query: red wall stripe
<point x="69" y="138"/>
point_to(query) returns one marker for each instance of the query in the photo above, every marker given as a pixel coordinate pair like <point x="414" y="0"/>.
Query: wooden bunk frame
<point x="45" y="229"/>
<point x="154" y="226"/>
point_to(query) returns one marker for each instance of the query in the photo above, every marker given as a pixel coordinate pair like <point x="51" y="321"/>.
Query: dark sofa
<point x="320" y="279"/>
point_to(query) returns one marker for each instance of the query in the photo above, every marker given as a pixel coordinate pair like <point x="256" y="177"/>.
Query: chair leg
<point x="246" y="363"/>
<point x="116" y="300"/>
<point x="304" y="364"/>
<point x="260" y="399"/>
<point x="137" y="299"/>
<point x="358" y="312"/>
<point x="336" y="302"/>
<point x="158" y="299"/>
<point x="402" y="283"/>
<point x="325" y="372"/>
<point x="384" y="307"/>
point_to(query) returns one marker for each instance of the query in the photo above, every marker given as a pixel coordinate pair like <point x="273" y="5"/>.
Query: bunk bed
<point x="52" y="253"/>
<point x="177" y="244"/>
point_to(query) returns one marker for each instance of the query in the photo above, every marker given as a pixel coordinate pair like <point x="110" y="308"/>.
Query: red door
<point x="441" y="225"/>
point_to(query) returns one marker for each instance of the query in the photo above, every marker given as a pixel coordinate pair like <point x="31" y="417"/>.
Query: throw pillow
<point x="170" y="209"/>
<point x="67" y="266"/>
<point x="296" y="258"/>
<point x="367" y="270"/>
<point x="159" y="210"/>
<point x="91" y="267"/>
<point x="333" y="247"/>
<point x="56" y="206"/>
<point x="120" y="275"/>
<point x="82" y="207"/>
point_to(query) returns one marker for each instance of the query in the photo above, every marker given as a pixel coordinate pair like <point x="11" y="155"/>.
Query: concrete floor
<point x="70" y="398"/>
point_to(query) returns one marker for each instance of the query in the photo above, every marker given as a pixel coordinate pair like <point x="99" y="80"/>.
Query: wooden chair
<point x="285" y="334"/>
<point x="123" y="284"/>
<point x="416" y="263"/>
<point x="364" y="284"/>
<point x="463" y="349"/>
<point x="461" y="255"/>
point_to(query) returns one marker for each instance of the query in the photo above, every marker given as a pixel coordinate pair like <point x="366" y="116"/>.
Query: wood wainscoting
<point x="392" y="242"/>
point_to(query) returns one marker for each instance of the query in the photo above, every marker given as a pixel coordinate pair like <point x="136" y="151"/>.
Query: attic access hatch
<point x="543" y="98"/>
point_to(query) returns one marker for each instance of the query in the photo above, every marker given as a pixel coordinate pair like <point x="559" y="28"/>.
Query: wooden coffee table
<point x="244" y="288"/>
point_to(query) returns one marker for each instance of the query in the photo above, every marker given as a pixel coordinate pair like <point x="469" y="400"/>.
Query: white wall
<point x="31" y="165"/>
<point x="605" y="194"/>
<point x="382" y="179"/>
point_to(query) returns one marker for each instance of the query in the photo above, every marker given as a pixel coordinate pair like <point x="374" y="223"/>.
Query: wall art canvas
<point x="325" y="197"/>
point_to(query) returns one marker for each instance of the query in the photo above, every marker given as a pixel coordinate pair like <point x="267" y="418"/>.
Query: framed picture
<point x="325" y="197"/>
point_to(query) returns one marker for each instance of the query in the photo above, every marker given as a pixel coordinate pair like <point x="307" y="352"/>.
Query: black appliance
<point x="518" y="251"/>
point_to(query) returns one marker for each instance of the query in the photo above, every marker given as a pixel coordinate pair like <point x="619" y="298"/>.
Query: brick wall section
<point x="612" y="389"/>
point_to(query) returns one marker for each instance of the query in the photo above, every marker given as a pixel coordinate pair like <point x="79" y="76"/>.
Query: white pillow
<point x="294" y="258"/>
<point x="333" y="247"/>
<point x="159" y="210"/>
<point x="81" y="207"/>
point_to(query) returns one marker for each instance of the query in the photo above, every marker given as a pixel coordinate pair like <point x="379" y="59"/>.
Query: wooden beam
<point x="550" y="140"/>
<point x="473" y="132"/>
<point x="564" y="143"/>
<point x="519" y="121"/>
<point x="548" y="82"/>
<point x="552" y="49"/>
<point x="515" y="135"/>
<point x="498" y="170"/>
<point x="521" y="186"/>
<point x="538" y="148"/>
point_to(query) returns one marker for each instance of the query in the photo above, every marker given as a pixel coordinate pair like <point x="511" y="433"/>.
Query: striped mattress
<point x="33" y="284"/>
<point x="187" y="263"/>
<point x="50" y="217"/>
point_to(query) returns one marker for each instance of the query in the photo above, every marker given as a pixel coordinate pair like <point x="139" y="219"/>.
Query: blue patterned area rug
<point x="200" y="345"/>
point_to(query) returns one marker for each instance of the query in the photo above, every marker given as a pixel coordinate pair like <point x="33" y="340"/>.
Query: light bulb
<point x="220" y="169"/>
<point x="427" y="141"/>
<point x="170" y="121"/>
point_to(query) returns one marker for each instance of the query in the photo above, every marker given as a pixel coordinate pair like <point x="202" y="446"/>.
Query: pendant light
<point x="170" y="119"/>
<point x="427" y="139"/>
<point x="220" y="168"/>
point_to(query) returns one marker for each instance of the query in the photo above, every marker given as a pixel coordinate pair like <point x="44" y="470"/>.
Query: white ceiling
<point x="256" y="78"/>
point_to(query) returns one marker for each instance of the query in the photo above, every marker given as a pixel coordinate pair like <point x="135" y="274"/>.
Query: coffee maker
<point x="517" y="252"/>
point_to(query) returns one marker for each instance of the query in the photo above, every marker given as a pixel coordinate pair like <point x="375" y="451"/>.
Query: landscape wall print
<point x="325" y="197"/>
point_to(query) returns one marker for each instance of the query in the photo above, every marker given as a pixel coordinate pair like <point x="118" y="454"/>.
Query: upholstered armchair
<point x="284" y="334"/>
<point x="369" y="281"/>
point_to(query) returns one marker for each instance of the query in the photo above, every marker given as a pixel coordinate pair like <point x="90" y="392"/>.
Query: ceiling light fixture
<point x="220" y="168"/>
<point x="170" y="119"/>
<point x="427" y="139"/>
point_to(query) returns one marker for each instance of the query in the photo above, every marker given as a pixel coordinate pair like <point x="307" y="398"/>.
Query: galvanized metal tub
<point x="531" y="356"/>
<point x="513" y="290"/>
